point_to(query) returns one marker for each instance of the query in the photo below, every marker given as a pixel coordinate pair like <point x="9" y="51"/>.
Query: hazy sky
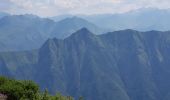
<point x="58" y="7"/>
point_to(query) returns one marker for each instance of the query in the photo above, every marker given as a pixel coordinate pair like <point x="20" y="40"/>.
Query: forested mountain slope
<point x="121" y="65"/>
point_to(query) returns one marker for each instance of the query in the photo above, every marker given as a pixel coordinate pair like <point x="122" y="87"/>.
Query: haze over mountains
<point x="141" y="19"/>
<point x="121" y="65"/>
<point x="78" y="56"/>
<point x="144" y="19"/>
<point x="2" y="14"/>
<point x="18" y="30"/>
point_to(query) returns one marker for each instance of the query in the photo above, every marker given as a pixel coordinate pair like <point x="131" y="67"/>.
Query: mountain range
<point x="27" y="32"/>
<point x="18" y="30"/>
<point x="144" y="19"/>
<point x="120" y="65"/>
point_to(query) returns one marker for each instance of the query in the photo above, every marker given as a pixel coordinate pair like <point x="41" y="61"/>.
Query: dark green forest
<point x="26" y="90"/>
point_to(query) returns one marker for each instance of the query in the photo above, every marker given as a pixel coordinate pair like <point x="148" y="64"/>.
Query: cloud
<point x="162" y="4"/>
<point x="57" y="7"/>
<point x="5" y="5"/>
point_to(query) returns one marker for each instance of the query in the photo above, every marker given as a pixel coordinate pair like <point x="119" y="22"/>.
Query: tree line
<point x="27" y="90"/>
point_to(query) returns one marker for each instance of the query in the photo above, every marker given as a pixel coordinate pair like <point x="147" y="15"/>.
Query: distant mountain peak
<point x="83" y="32"/>
<point x="73" y="19"/>
<point x="84" y="29"/>
<point x="18" y="17"/>
<point x="129" y="30"/>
